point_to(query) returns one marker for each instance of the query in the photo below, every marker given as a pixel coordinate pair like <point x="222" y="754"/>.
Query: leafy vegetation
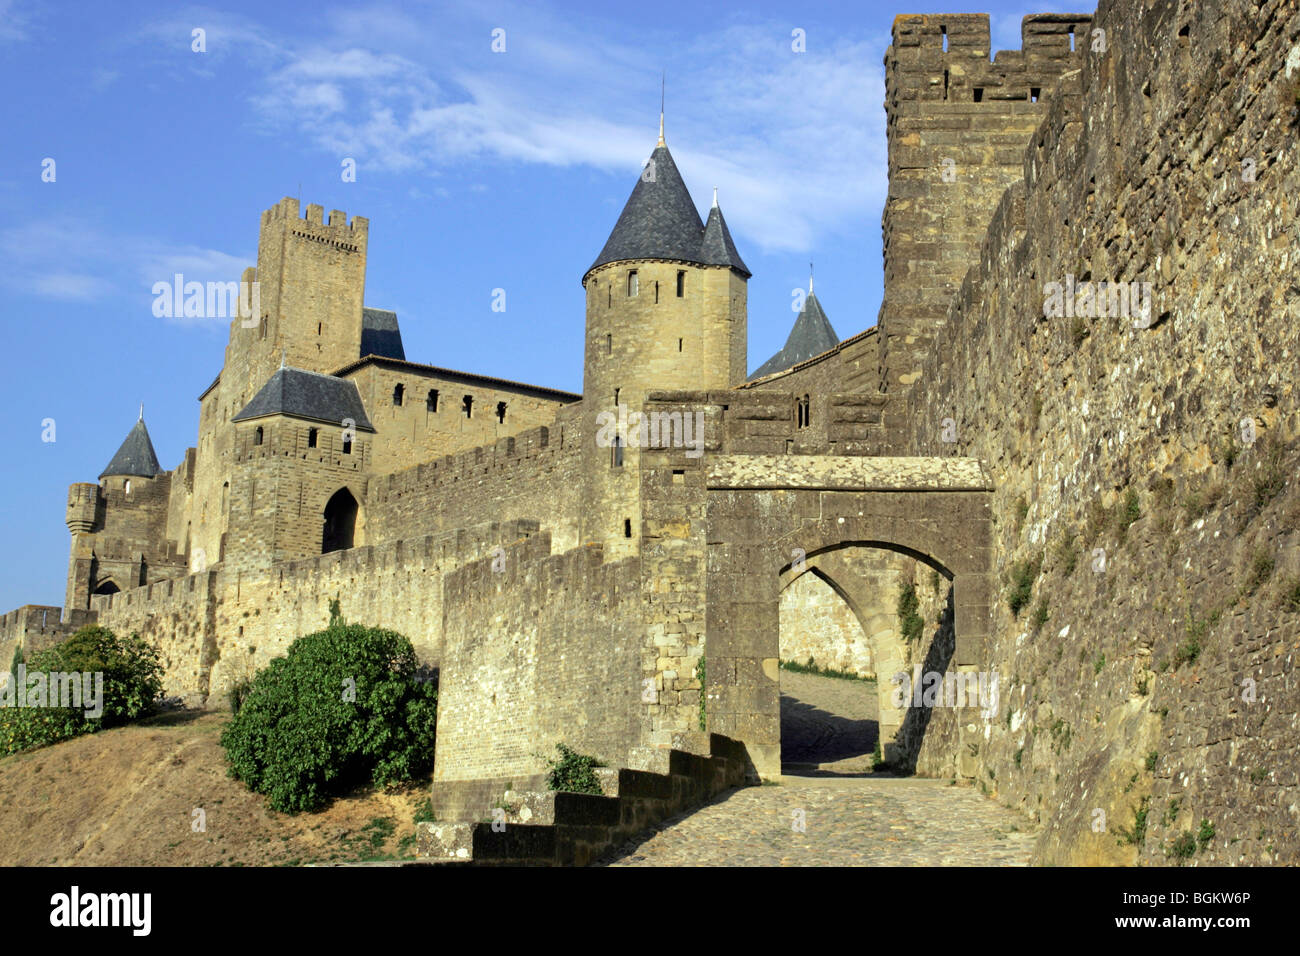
<point x="344" y="707"/>
<point x="1023" y="575"/>
<point x="128" y="670"/>
<point x="910" y="622"/>
<point x="812" y="667"/>
<point x="699" y="676"/>
<point x="573" y="772"/>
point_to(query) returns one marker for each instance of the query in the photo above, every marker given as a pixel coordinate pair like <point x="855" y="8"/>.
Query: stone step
<point x="552" y="806"/>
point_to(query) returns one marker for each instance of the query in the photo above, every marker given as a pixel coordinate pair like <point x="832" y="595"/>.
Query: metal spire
<point x="142" y="411"/>
<point x="810" y="278"/>
<point x="663" y="82"/>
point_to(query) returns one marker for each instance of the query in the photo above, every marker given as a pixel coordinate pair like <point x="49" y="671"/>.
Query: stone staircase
<point x="558" y="828"/>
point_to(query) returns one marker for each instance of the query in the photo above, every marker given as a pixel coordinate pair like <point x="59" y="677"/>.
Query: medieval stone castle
<point x="625" y="568"/>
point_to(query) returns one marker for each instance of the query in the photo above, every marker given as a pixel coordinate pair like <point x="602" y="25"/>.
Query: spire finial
<point x="810" y="278"/>
<point x="142" y="411"/>
<point x="282" y="354"/>
<point x="715" y="197"/>
<point x="663" y="82"/>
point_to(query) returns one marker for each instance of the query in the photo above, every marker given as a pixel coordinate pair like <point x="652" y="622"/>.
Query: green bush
<point x="573" y="772"/>
<point x="343" y="708"/>
<point x="910" y="622"/>
<point x="1023" y="575"/>
<point x="131" y="682"/>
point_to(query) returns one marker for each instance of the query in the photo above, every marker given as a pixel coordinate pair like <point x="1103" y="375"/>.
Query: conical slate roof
<point x="660" y="221"/>
<point x="717" y="249"/>
<point x="812" y="335"/>
<point x="136" y="456"/>
<point x="311" y="395"/>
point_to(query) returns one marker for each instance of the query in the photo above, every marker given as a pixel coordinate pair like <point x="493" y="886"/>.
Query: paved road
<point x="848" y="817"/>
<point x="847" y="821"/>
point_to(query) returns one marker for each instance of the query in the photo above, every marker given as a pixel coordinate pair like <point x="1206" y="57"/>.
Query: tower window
<point x="1034" y="92"/>
<point x="257" y="436"/>
<point x="616" y="453"/>
<point x="679" y="345"/>
<point x="311" y="437"/>
<point x="681" y="282"/>
<point x="467" y="404"/>
<point x="627" y="527"/>
<point x="347" y="446"/>
<point x="616" y="391"/>
<point x="126" y="486"/>
<point x="979" y="94"/>
<point x="803" y="412"/>
<point x="399" y="391"/>
<point x="501" y="412"/>
<point x="609" y="345"/>
<point x="632" y="285"/>
<point x="656" y="292"/>
<point x="431" y="400"/>
<point x="609" y="296"/>
<point x="319" y="326"/>
<point x="944" y="31"/>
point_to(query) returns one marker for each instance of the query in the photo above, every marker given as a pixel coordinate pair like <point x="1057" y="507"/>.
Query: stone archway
<point x="765" y="515"/>
<point x="342" y="522"/>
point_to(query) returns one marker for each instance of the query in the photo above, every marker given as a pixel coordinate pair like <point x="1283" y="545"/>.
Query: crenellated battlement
<point x="314" y="216"/>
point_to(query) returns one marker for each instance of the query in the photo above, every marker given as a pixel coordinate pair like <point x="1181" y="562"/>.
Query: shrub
<point x="573" y="772"/>
<point x="1183" y="847"/>
<point x="909" y="621"/>
<point x="1023" y="575"/>
<point x="131" y="682"/>
<point x="1041" y="614"/>
<point x="344" y="707"/>
<point x="1127" y="512"/>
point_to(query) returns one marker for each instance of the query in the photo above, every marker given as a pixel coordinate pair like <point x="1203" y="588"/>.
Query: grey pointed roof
<point x="717" y="249"/>
<point x="660" y="221"/>
<point x="310" y="395"/>
<point x="136" y="456"/>
<point x="380" y="334"/>
<point x="812" y="335"/>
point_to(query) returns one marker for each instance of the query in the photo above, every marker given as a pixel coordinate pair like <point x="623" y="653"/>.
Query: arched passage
<point x="758" y="535"/>
<point x="341" y="514"/>
<point x="106" y="587"/>
<point x="841" y="606"/>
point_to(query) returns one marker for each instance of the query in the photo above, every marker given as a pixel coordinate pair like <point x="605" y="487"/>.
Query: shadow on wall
<point x="916" y="721"/>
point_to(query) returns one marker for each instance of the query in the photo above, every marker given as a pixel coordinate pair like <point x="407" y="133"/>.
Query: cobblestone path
<point x="849" y="817"/>
<point x="847" y="821"/>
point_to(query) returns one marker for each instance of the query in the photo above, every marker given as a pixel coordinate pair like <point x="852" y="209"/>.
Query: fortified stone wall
<point x="1147" y="461"/>
<point x="541" y="649"/>
<point x="957" y="128"/>
<point x="216" y="628"/>
<point x="533" y="475"/>
<point x="34" y="627"/>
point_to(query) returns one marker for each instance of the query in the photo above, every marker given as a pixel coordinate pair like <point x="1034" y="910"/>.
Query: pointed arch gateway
<point x="342" y="523"/>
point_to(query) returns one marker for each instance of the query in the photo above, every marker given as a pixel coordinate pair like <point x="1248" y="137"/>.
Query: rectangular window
<point x="681" y="282"/>
<point x="609" y="345"/>
<point x="311" y="437"/>
<point x="632" y="283"/>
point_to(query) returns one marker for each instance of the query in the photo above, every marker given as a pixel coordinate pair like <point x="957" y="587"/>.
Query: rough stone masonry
<point x="1093" y="501"/>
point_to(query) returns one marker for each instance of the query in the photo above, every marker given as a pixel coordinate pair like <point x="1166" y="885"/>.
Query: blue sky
<point x="478" y="170"/>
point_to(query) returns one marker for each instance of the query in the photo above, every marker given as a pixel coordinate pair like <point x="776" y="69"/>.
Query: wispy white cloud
<point x="72" y="260"/>
<point x="14" y="22"/>
<point x="794" y="141"/>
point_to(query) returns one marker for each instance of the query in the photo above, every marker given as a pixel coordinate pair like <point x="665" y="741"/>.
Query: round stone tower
<point x="666" y="309"/>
